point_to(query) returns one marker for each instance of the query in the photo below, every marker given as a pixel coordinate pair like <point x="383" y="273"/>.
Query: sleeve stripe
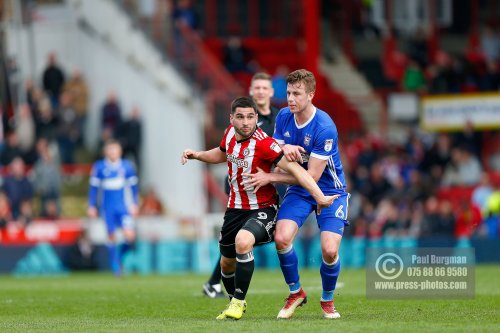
<point x="133" y="180"/>
<point x="281" y="142"/>
<point x="278" y="159"/>
<point x="320" y="157"/>
<point x="94" y="181"/>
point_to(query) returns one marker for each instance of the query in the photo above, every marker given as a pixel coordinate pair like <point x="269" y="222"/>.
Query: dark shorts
<point x="260" y="222"/>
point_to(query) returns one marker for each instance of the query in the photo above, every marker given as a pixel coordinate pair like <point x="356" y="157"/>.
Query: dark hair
<point x="243" y="102"/>
<point x="302" y="76"/>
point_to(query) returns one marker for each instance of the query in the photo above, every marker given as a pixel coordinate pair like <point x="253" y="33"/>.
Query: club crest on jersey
<point x="307" y="140"/>
<point x="276" y="147"/>
<point x="246" y="151"/>
<point x="328" y="144"/>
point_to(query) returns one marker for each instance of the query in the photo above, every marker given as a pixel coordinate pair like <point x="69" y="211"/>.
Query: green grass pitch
<point x="103" y="303"/>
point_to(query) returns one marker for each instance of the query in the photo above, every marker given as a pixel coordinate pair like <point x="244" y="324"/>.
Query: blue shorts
<point x="297" y="208"/>
<point x="117" y="220"/>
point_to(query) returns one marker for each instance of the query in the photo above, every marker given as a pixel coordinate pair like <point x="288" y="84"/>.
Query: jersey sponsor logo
<point x="240" y="163"/>
<point x="328" y="144"/>
<point x="287" y="134"/>
<point x="307" y="140"/>
<point x="276" y="147"/>
<point x="246" y="151"/>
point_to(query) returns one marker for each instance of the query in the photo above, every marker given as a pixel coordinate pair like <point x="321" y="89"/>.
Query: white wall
<point x="172" y="115"/>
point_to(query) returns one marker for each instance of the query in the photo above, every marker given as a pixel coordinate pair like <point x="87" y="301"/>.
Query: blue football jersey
<point x="117" y="183"/>
<point x="319" y="137"/>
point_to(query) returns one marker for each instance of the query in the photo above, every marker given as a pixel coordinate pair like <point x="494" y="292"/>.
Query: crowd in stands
<point x="477" y="70"/>
<point x="43" y="135"/>
<point x="399" y="190"/>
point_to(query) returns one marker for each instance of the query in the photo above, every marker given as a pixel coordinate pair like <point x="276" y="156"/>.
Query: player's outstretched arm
<point x="308" y="182"/>
<point x="212" y="156"/>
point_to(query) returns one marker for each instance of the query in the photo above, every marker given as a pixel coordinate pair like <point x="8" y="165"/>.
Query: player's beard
<point x="243" y="134"/>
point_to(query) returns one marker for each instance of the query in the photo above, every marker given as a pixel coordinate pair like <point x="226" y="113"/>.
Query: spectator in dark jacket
<point x="111" y="113"/>
<point x="53" y="79"/>
<point x="18" y="188"/>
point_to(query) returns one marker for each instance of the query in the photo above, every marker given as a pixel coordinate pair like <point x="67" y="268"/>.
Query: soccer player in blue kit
<point x="117" y="181"/>
<point x="309" y="136"/>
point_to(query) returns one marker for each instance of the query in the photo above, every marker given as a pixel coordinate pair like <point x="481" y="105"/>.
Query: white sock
<point x="217" y="287"/>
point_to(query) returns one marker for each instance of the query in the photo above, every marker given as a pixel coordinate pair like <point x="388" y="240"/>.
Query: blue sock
<point x="114" y="258"/>
<point x="124" y="248"/>
<point x="289" y="264"/>
<point x="329" y="275"/>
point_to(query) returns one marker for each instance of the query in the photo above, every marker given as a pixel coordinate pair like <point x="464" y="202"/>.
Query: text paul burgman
<point x="434" y="259"/>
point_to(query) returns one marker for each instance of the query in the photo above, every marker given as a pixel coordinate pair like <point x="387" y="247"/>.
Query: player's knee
<point x="244" y="242"/>
<point x="330" y="255"/>
<point x="282" y="241"/>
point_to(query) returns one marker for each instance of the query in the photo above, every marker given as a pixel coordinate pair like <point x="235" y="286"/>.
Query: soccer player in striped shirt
<point x="250" y="216"/>
<point x="307" y="135"/>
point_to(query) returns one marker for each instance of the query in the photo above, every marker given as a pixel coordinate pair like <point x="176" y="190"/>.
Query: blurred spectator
<point x="492" y="214"/>
<point x="414" y="79"/>
<point x="47" y="179"/>
<point x="53" y="79"/>
<point x="378" y="185"/>
<point x="481" y="193"/>
<point x="469" y="139"/>
<point x="129" y="133"/>
<point x="464" y="169"/>
<point x="184" y="14"/>
<point x="236" y="56"/>
<point x="78" y="91"/>
<point x="14" y="80"/>
<point x="68" y="129"/>
<point x="82" y="255"/>
<point x="5" y="212"/>
<point x="279" y="85"/>
<point x="437" y="158"/>
<point x="25" y="212"/>
<point x="146" y="11"/>
<point x="438" y="218"/>
<point x="11" y="149"/>
<point x="18" y="188"/>
<point x="417" y="47"/>
<point x="490" y="44"/>
<point x="46" y="122"/>
<point x="467" y="221"/>
<point x="111" y="113"/>
<point x="151" y="204"/>
<point x="25" y="128"/>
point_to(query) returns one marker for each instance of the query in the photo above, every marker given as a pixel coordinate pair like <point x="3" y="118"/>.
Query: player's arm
<point x="94" y="184"/>
<point x="212" y="156"/>
<point x="307" y="181"/>
<point x="261" y="178"/>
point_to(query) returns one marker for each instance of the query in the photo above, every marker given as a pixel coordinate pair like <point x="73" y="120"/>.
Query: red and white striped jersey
<point x="245" y="156"/>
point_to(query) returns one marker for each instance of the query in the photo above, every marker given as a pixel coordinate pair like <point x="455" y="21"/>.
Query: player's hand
<point x="293" y="153"/>
<point x="134" y="210"/>
<point x="255" y="180"/>
<point x="92" y="212"/>
<point x="188" y="154"/>
<point x="326" y="202"/>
